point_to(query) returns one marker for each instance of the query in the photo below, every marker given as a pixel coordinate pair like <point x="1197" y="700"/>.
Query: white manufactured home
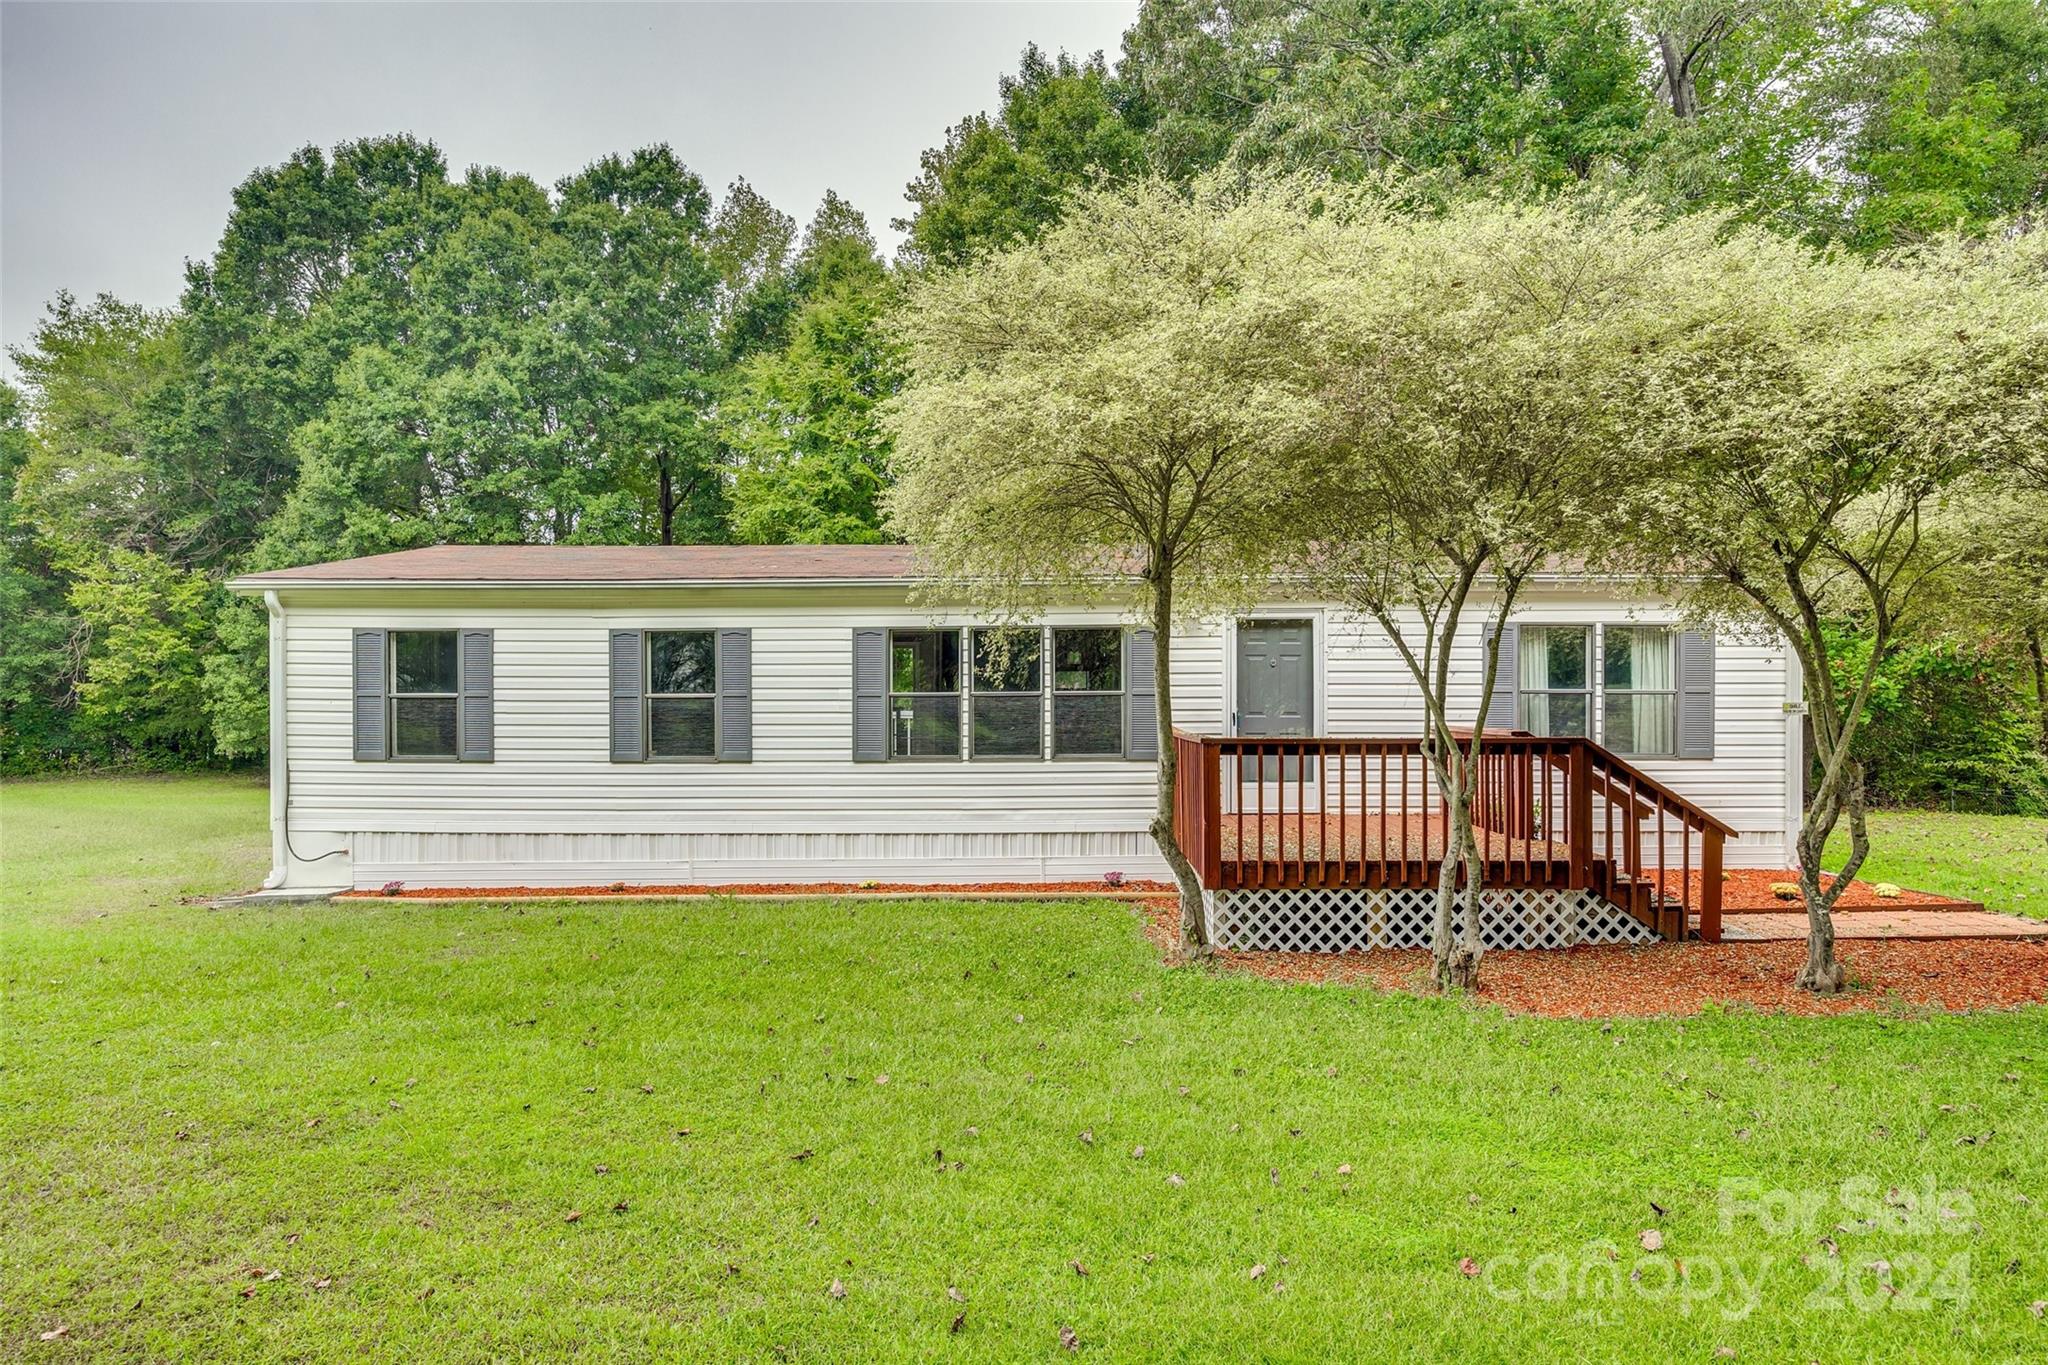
<point x="557" y="715"/>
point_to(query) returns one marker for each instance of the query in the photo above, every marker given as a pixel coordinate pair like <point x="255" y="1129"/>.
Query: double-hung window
<point x="924" y="694"/>
<point x="682" y="694"/>
<point x="1555" y="667"/>
<point x="425" y="685"/>
<point x="1008" y="715"/>
<point x="1639" y="678"/>
<point x="1087" y="692"/>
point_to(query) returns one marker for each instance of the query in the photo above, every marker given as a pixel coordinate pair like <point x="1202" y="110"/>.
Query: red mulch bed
<point x="1683" y="978"/>
<point x="1748" y="889"/>
<point x="762" y="889"/>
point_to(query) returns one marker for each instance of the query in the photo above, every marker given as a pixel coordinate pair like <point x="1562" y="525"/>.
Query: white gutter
<point x="280" y="795"/>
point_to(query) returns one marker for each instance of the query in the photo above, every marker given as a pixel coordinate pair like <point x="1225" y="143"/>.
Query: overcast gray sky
<point x="124" y="127"/>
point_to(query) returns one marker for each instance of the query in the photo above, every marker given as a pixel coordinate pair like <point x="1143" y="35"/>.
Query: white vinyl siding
<point x="803" y="809"/>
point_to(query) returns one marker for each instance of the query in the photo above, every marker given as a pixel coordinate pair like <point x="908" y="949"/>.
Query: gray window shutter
<point x="870" y="696"/>
<point x="629" y="743"/>
<point x="1695" y="694"/>
<point x="1503" y="709"/>
<point x="473" y="742"/>
<point x="735" y="696"/>
<point x="372" y="737"/>
<point x="1141" y="697"/>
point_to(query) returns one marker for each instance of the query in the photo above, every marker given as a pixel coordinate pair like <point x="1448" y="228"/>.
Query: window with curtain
<point x="1639" y="674"/>
<point x="682" y="693"/>
<point x="1556" y="679"/>
<point x="1008" y="718"/>
<point x="1087" y="692"/>
<point x="425" y="680"/>
<point x="924" y="694"/>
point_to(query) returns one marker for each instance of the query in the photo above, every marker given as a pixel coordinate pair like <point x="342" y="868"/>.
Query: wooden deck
<point x="1378" y="847"/>
<point x="1551" y="813"/>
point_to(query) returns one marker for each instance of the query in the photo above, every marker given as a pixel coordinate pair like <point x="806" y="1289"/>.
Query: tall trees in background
<point x="378" y="356"/>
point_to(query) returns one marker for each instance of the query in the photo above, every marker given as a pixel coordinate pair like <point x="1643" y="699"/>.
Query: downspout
<point x="280" y="794"/>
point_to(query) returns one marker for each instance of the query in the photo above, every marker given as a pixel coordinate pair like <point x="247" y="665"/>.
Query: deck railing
<point x="1559" y="813"/>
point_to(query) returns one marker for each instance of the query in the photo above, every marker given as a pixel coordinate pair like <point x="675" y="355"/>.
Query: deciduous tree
<point x="1110" y="401"/>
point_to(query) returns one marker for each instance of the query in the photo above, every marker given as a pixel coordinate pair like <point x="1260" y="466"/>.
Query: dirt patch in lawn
<point x="1747" y="890"/>
<point x="1133" y="885"/>
<point x="1682" y="978"/>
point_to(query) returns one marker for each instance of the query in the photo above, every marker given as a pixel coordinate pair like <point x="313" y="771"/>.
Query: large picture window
<point x="924" y="694"/>
<point x="1008" y="717"/>
<point x="1087" y="692"/>
<point x="1639" y="675"/>
<point x="682" y="693"/>
<point x="425" y="673"/>
<point x="1556" y="679"/>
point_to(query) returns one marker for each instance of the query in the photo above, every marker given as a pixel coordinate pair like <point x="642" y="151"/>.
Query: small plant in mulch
<point x="616" y="886"/>
<point x="1113" y="878"/>
<point x="1785" y="891"/>
<point x="390" y="888"/>
<point x="1885" y="891"/>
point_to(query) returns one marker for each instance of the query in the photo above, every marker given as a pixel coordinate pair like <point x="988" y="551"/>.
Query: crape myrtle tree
<point x="1816" y="418"/>
<point x="1473" y="362"/>
<point x="1114" y="399"/>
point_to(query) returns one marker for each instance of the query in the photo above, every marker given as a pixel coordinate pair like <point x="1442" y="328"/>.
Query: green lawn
<point x="2000" y="861"/>
<point x="404" y="1103"/>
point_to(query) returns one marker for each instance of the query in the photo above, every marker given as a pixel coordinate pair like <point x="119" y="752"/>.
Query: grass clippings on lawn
<point x="1681" y="979"/>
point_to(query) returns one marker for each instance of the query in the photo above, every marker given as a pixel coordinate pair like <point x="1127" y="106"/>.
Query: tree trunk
<point x="2039" y="657"/>
<point x="1454" y="935"/>
<point x="1678" y="81"/>
<point x="1194" y="917"/>
<point x="668" y="503"/>
<point x="1823" y="972"/>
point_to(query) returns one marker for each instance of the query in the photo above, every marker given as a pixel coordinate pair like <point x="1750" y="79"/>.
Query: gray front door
<point x="1276" y="684"/>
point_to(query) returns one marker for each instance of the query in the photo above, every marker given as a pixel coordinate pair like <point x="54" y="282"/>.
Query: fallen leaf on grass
<point x="959" y="1322"/>
<point x="1467" y="1267"/>
<point x="61" y="1331"/>
<point x="953" y="1293"/>
<point x="1256" y="1271"/>
<point x="1088" y="1136"/>
<point x="1079" y="1269"/>
<point x="323" y="1282"/>
<point x="573" y="1216"/>
<point x="804" y="1155"/>
<point x="1345" y="1169"/>
<point x="882" y="1079"/>
<point x="2038" y="1307"/>
<point x="838" y="1289"/>
<point x="619" y="1207"/>
<point x="1176" y="1180"/>
<point x="1069" y="1341"/>
<point x="1137" y="1153"/>
<point x="1651" y="1239"/>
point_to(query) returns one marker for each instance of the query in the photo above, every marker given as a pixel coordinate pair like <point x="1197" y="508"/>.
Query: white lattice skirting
<point x="1321" y="920"/>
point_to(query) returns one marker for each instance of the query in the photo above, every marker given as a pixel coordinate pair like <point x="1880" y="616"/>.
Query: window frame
<point x="1674" y="692"/>
<point x="648" y="695"/>
<point x="962" y="729"/>
<point x="1054" y="692"/>
<point x="1589" y="632"/>
<point x="974" y="693"/>
<point x="392" y="695"/>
